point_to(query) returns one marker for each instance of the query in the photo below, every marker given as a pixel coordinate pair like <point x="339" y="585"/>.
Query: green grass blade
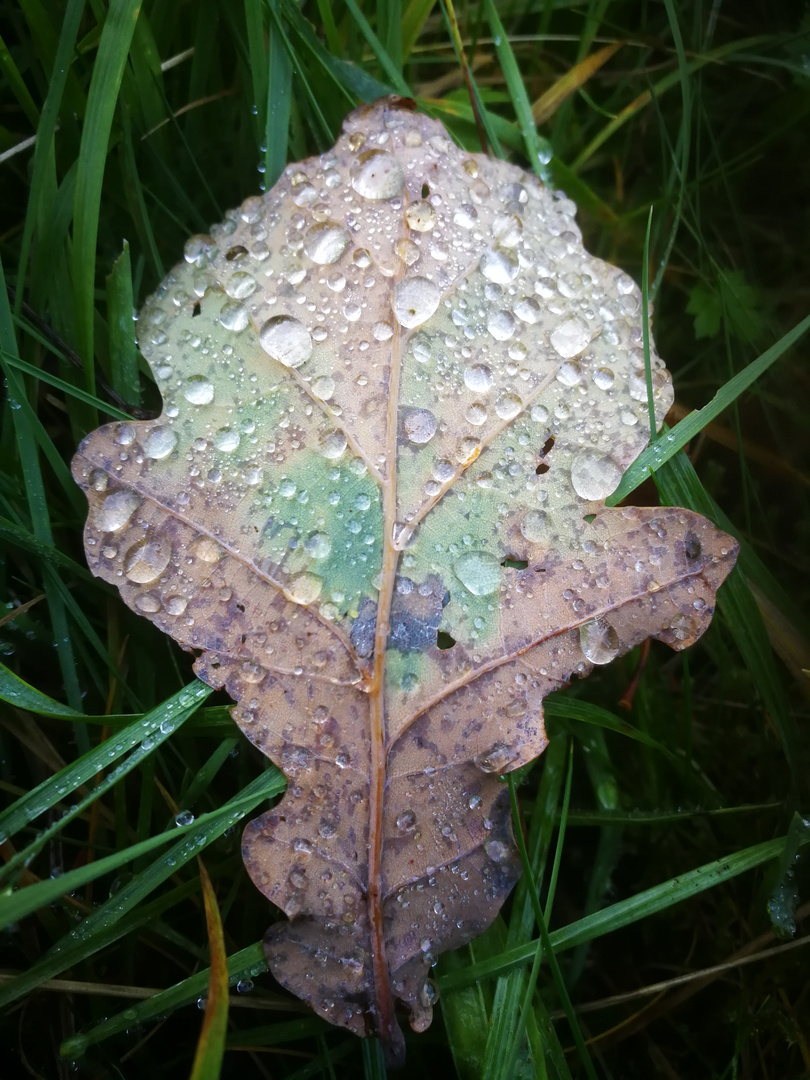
<point x="142" y="736"/>
<point x="116" y="36"/>
<point x="538" y="149"/>
<point x="382" y="57"/>
<point x="15" y="691"/>
<point x="121" y="329"/>
<point x="279" y="96"/>
<point x="669" y="444"/>
<point x="626" y="912"/>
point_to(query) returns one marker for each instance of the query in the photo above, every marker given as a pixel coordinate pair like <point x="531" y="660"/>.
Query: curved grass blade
<point x="15" y="691"/>
<point x="211" y="1044"/>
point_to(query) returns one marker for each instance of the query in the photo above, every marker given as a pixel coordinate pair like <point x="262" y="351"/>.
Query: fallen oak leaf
<point x="397" y="392"/>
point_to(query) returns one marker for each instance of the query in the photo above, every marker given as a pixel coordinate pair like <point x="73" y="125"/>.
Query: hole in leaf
<point x="589" y="518"/>
<point x="196" y="310"/>
<point x="425" y="191"/>
<point x="515" y="564"/>
<point x="240" y="607"/>
<point x="236" y="252"/>
<point x="542" y="466"/>
<point x="445" y="640"/>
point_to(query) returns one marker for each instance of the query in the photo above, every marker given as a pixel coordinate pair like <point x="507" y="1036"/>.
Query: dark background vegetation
<point x="189" y="142"/>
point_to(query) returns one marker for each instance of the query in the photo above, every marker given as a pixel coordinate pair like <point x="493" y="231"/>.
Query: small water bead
<point x="125" y="435"/>
<point x="594" y="475"/>
<point x="419" y="425"/>
<point x="507" y="230"/>
<point x="499" y="266"/>
<point x="476" y="414"/>
<point x="474" y="802"/>
<point x="501" y="325"/>
<point x="336" y="282"/>
<point x="148" y="603"/>
<point x="376" y="174"/>
<point x="286" y="340"/>
<point x="478" y="377"/>
<point x="570" y="337"/>
<point x="467" y="450"/>
<point x="116" y="510"/>
<point x="176" y="605"/>
<point x="443" y="471"/>
<point x="599" y="641"/>
<point x="305" y="588"/>
<point x="569" y="373"/>
<point x="323" y="387"/>
<point x="99" y="480"/>
<point x="226" y="439"/>
<point x="146" y="560"/>
<point x="479" y="572"/>
<point x="415" y="300"/>
<point x="185" y="817"/>
<point x="325" y="242"/>
<point x="534" y="526"/>
<point x="603" y="378"/>
<point x="508" y="406"/>
<point x="240" y="285"/>
<point x="496" y="759"/>
<point x="333" y="444"/>
<point x="207" y="550"/>
<point x="234" y="316"/>
<point x="327" y="828"/>
<point x="382" y="331"/>
<point x="406" y="821"/>
<point x="352" y="311"/>
<point x="466" y="216"/>
<point x="420" y="216"/>
<point x="497" y="851"/>
<point x="362" y="501"/>
<point x="159" y="443"/>
<point x="539" y="413"/>
<point x="528" y="310"/>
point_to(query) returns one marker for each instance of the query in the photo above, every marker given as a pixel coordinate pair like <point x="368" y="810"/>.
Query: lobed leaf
<point x="397" y="391"/>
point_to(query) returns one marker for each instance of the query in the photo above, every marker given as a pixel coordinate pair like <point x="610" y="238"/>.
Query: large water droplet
<point x="234" y="316"/>
<point x="534" y="526"/>
<point x="116" y="510"/>
<point x="305" y="588"/>
<point x="323" y="387"/>
<point x="377" y="175"/>
<point x="159" y="443"/>
<point x="226" y="439"/>
<point x="479" y="572"/>
<point x="240" y="285"/>
<point x="476" y="414"/>
<point x="599" y="641"/>
<point x="198" y="390"/>
<point x="419" y="425"/>
<point x="501" y="324"/>
<point x="333" y="444"/>
<point x="508" y="406"/>
<point x="325" y="242"/>
<point x="420" y="216"/>
<point x="146" y="560"/>
<point x="406" y="821"/>
<point x="594" y="475"/>
<point x="499" y="266"/>
<point x="318" y="546"/>
<point x="495" y="759"/>
<point x="571" y="337"/>
<point x="415" y="300"/>
<point x="478" y="377"/>
<point x="286" y="340"/>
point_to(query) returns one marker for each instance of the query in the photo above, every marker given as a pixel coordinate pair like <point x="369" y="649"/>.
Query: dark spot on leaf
<point x="416" y="612"/>
<point x="240" y="607"/>
<point x="445" y="640"/>
<point x="542" y="468"/>
<point x="364" y="628"/>
<point x="196" y="310"/>
<point x="691" y="546"/>
<point x="425" y="191"/>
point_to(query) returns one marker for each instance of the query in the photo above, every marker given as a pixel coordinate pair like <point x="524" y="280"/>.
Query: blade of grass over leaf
<point x="670" y="443"/>
<point x="642" y="905"/>
<point x="279" y="93"/>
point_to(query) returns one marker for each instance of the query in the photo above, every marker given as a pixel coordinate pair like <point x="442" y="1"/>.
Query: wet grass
<point x="664" y="827"/>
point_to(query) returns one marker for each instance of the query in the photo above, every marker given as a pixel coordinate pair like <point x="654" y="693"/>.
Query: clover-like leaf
<point x="397" y="393"/>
